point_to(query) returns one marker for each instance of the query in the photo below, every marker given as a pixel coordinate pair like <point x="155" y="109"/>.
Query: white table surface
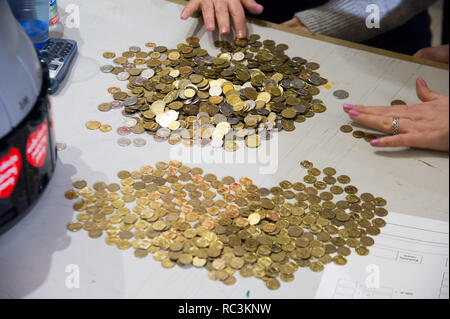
<point x="35" y="253"/>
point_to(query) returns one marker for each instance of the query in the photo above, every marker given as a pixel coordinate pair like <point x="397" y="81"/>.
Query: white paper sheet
<point x="409" y="260"/>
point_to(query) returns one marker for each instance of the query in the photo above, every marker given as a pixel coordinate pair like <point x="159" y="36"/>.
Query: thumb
<point x="253" y="7"/>
<point x="423" y="91"/>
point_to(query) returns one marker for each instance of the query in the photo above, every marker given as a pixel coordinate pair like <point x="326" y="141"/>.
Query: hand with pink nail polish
<point x="424" y="125"/>
<point x="221" y="10"/>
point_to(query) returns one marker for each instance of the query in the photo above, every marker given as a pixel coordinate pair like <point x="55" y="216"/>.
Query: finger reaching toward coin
<point x="424" y="125"/>
<point x="222" y="10"/>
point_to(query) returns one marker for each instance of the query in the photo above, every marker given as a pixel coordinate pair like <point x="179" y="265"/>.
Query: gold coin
<point x="114" y="90"/>
<point x="167" y="263"/>
<point x="198" y="262"/>
<point x="380" y="201"/>
<point x="230" y="146"/>
<point x="287" y="277"/>
<point x="95" y="233"/>
<point x="329" y="171"/>
<point x="124" y="244"/>
<point x="120" y="60"/>
<point x="124" y="174"/>
<point x="105" y="128"/>
<point x="273" y="284"/>
<point x="231" y="280"/>
<point x="254" y="218"/>
<point x="109" y="55"/>
<point x="185" y="259"/>
<point x="174" y="125"/>
<point x="306" y="164"/>
<point x="253" y="141"/>
<point x="189" y="93"/>
<point x="74" y="227"/>
<point x="346" y="129"/>
<point x="340" y="260"/>
<point x="93" y="125"/>
<point x="175" y="55"/>
<point x="141" y="253"/>
<point x="316" y="266"/>
<point x="344" y="179"/>
<point x="359" y="134"/>
<point x="362" y="251"/>
<point x="79" y="184"/>
<point x="71" y="195"/>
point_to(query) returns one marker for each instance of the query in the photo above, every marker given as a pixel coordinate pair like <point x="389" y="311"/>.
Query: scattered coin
<point x="116" y="104"/>
<point x="124" y="131"/>
<point x="341" y="94"/>
<point x="346" y="129"/>
<point x="106" y="68"/>
<point x="93" y="125"/>
<point x="123" y="141"/>
<point x="109" y="55"/>
<point x="105" y="128"/>
<point x="104" y="107"/>
<point x="359" y="134"/>
<point x="123" y="76"/>
<point x="139" y="142"/>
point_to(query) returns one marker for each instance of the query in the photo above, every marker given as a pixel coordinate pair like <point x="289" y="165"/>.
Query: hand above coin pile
<point x="221" y="10"/>
<point x="424" y="125"/>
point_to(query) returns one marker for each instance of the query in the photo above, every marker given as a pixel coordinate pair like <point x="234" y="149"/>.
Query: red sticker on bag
<point x="10" y="167"/>
<point x="37" y="146"/>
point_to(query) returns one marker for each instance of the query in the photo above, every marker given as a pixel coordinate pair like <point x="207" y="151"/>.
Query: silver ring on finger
<point x="395" y="126"/>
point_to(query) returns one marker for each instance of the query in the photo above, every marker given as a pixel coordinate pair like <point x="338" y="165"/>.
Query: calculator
<point x="59" y="54"/>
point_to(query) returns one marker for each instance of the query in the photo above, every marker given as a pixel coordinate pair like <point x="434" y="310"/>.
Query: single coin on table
<point x="341" y="94"/>
<point x="346" y="129"/>
<point x="124" y="130"/>
<point x="105" y="128"/>
<point x="106" y="68"/>
<point x="139" y="142"/>
<point x="123" y="142"/>
<point x="109" y="55"/>
<point x="93" y="125"/>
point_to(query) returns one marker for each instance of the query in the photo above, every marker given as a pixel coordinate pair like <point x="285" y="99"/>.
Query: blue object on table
<point x="33" y="15"/>
<point x="58" y="54"/>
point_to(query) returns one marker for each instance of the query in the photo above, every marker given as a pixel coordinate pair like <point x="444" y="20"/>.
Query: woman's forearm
<point x="346" y="19"/>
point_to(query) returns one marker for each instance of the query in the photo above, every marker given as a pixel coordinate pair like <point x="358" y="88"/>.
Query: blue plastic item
<point x="33" y="15"/>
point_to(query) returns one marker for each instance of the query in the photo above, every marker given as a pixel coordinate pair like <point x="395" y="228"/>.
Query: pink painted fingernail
<point x="353" y="113"/>
<point x="423" y="83"/>
<point x="348" y="107"/>
<point x="375" y="142"/>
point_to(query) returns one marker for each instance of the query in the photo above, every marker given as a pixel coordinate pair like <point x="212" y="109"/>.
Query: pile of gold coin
<point x="248" y="91"/>
<point x="183" y="216"/>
